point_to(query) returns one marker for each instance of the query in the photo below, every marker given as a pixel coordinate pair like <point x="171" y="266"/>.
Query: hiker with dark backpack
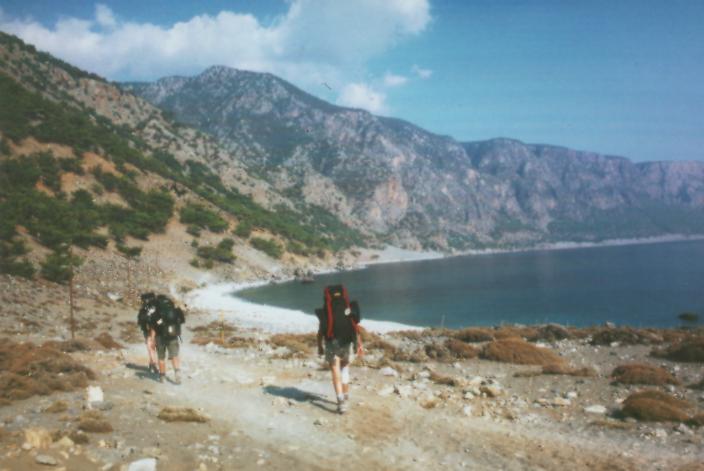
<point x="145" y="321"/>
<point x="339" y="326"/>
<point x="167" y="325"/>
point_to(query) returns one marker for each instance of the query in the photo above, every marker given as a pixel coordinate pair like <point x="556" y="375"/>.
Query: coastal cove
<point x="641" y="285"/>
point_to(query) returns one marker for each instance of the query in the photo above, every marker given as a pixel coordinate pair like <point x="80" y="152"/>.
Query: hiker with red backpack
<point x="339" y="326"/>
<point x="167" y="326"/>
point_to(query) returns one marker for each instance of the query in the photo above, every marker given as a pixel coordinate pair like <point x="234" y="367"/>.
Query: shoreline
<point x="216" y="296"/>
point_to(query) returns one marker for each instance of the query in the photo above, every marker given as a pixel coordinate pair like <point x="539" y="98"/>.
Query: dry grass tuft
<point x="655" y="406"/>
<point x="517" y="351"/>
<point x="512" y="331"/>
<point x="27" y="370"/>
<point x="438" y="352"/>
<point x="691" y="351"/>
<point x="231" y="342"/>
<point x="174" y="414"/>
<point x="696" y="421"/>
<point x="550" y="333"/>
<point x="563" y="369"/>
<point x="57" y="407"/>
<point x="439" y="378"/>
<point x="460" y="350"/>
<point x="413" y="356"/>
<point x="298" y="345"/>
<point x="70" y="346"/>
<point x="130" y="332"/>
<point x="625" y="336"/>
<point x="372" y="341"/>
<point x="214" y="328"/>
<point x="79" y="437"/>
<point x="641" y="373"/>
<point x="107" y="342"/>
<point x="474" y="335"/>
<point x="94" y="422"/>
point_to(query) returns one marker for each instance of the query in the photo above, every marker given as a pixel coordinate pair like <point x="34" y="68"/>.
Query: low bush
<point x="550" y="333"/>
<point x="298" y="345"/>
<point x="107" y="342"/>
<point x="655" y="406"/>
<point x="690" y="351"/>
<point x="625" y="336"/>
<point x="474" y="335"/>
<point x="517" y="351"/>
<point x="27" y="370"/>
<point x="641" y="373"/>
<point x="460" y="350"/>
<point x="194" y="214"/>
<point x="174" y="414"/>
<point x="94" y="422"/>
<point x="510" y="331"/>
<point x="564" y="369"/>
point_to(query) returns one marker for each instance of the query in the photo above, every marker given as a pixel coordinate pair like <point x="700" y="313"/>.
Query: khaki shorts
<point x="162" y="345"/>
<point x="335" y="348"/>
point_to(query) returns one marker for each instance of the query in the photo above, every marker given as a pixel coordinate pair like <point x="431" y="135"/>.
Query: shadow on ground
<point x="299" y="395"/>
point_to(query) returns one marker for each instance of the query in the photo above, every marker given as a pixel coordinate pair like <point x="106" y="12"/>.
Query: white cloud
<point x="392" y="80"/>
<point x="361" y="95"/>
<point x="315" y="41"/>
<point x="420" y="72"/>
<point x="104" y="16"/>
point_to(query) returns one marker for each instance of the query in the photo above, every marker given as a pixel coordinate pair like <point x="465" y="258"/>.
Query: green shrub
<point x="59" y="267"/>
<point x="220" y="253"/>
<point x="269" y="247"/>
<point x="200" y="216"/>
<point x="129" y="252"/>
<point x="243" y="230"/>
<point x="9" y="251"/>
<point x="193" y="230"/>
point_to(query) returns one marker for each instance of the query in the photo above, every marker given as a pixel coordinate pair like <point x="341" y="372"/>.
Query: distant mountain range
<point x="407" y="186"/>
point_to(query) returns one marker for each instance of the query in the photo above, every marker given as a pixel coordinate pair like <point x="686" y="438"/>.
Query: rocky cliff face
<point x="415" y="188"/>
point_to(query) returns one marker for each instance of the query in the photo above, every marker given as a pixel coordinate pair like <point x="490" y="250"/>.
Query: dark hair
<point x="147" y="296"/>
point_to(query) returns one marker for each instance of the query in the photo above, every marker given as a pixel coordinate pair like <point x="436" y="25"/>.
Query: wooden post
<point x="70" y="295"/>
<point x="222" y="328"/>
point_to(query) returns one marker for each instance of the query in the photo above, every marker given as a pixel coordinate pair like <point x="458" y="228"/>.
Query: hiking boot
<point x="342" y="407"/>
<point x="161" y="378"/>
<point x="177" y="377"/>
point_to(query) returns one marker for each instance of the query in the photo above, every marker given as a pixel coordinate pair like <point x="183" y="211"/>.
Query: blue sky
<point x="617" y="77"/>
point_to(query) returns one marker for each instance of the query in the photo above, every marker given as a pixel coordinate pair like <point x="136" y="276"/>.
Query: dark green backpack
<point x="170" y="317"/>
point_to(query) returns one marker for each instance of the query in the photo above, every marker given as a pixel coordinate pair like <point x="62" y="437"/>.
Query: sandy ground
<point x="267" y="411"/>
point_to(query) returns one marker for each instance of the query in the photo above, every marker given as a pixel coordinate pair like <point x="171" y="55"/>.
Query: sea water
<point x="646" y="285"/>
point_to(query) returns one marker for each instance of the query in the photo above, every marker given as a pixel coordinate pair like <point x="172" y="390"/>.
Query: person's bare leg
<point x="345" y="378"/>
<point x="336" y="380"/>
<point x="176" y="362"/>
<point x="151" y="350"/>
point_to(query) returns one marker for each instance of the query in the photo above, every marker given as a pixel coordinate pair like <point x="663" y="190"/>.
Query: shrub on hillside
<point x="269" y="247"/>
<point x="220" y="253"/>
<point x="198" y="215"/>
<point x="640" y="373"/>
<point x="515" y="350"/>
<point x="59" y="267"/>
<point x="460" y="350"/>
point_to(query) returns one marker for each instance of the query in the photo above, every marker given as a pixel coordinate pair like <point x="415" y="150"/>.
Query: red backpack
<point x="340" y="320"/>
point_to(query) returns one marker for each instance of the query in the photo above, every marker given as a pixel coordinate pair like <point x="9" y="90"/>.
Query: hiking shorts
<point x="342" y="350"/>
<point x="170" y="344"/>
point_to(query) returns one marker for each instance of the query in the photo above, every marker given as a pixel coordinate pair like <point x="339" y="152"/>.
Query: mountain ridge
<point x="418" y="189"/>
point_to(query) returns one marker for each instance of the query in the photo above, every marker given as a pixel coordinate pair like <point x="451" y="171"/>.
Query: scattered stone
<point x="94" y="395"/>
<point x="491" y="390"/>
<point x="660" y="433"/>
<point x="46" y="460"/>
<point x="595" y="409"/>
<point x="560" y="402"/>
<point x="571" y="395"/>
<point x="38" y="438"/>
<point x="386" y="391"/>
<point x="403" y="390"/>
<point x="320" y="422"/>
<point x="267" y="380"/>
<point x="469" y="395"/>
<point x="146" y="464"/>
<point x="388" y="371"/>
<point x="467" y="410"/>
<point x="683" y="429"/>
<point x="64" y="442"/>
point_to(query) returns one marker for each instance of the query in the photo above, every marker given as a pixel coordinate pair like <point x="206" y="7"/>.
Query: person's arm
<point x="360" y="347"/>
